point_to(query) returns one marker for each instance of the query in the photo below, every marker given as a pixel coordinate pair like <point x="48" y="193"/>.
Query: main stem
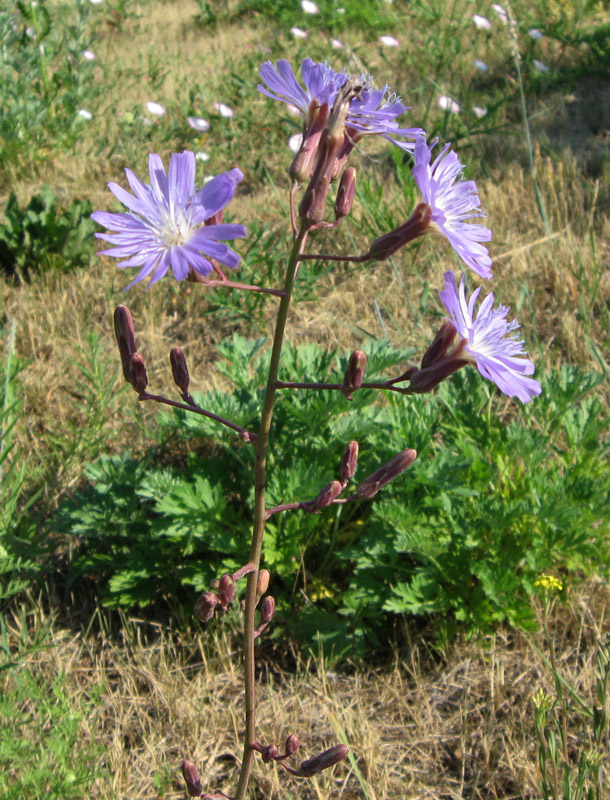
<point x="260" y="473"/>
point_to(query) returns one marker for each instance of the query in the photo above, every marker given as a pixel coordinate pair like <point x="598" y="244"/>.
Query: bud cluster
<point x="134" y="366"/>
<point x="222" y="594"/>
<point x="308" y="768"/>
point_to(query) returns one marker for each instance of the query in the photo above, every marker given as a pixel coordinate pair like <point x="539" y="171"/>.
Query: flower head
<point x="452" y="200"/>
<point x="162" y="227"/>
<point x="489" y="341"/>
<point x="371" y="111"/>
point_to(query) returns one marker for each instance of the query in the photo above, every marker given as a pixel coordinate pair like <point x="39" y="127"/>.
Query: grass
<point x="107" y="706"/>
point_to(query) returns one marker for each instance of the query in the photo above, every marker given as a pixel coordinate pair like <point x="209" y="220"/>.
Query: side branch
<point x="244" y="434"/>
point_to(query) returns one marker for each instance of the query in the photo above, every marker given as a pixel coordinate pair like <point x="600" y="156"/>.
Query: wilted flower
<point x="389" y="41"/>
<point x="295" y="141"/>
<point x="198" y="124"/>
<point x="535" y="34"/>
<point x="155" y="108"/>
<point x="223" y="110"/>
<point x="481" y="22"/>
<point x="449" y="104"/>
<point x="452" y="200"/>
<point x="371" y="111"/>
<point x="489" y="342"/>
<point x="162" y="226"/>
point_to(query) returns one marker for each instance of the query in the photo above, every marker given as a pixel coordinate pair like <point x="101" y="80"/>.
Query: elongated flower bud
<point x="292" y="744"/>
<point x="262" y="583"/>
<point x="126" y="339"/>
<point x="313" y="204"/>
<point x="191" y="778"/>
<point x="226" y="589"/>
<point x="179" y="369"/>
<point x="349" y="462"/>
<point x="205" y="605"/>
<point x="326" y="759"/>
<point x="302" y="166"/>
<point x="427" y="379"/>
<point x="440" y="345"/>
<point x="270" y="752"/>
<point x="354" y="374"/>
<point x="345" y="193"/>
<point x="325" y="498"/>
<point x="137" y="368"/>
<point x="386" y="245"/>
<point x="390" y="470"/>
<point x="268" y="609"/>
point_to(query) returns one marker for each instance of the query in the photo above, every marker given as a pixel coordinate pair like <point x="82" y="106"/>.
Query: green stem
<point x="260" y="473"/>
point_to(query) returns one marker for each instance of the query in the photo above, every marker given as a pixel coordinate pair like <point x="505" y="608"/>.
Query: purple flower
<point x="374" y="111"/>
<point x="162" y="229"/>
<point x="452" y="200"/>
<point x="488" y="341"/>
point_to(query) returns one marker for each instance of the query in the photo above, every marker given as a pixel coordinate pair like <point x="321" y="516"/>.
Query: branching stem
<point x="260" y="473"/>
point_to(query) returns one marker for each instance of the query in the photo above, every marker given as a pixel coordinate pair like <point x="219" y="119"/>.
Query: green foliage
<point x="45" y="235"/>
<point x="41" y="741"/>
<point x="44" y="80"/>
<point x="489" y="504"/>
<point x="19" y="541"/>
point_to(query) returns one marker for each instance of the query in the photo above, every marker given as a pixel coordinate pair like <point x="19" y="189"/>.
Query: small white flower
<point x="336" y="44"/>
<point x="340" y="11"/>
<point x="224" y="111"/>
<point x="201" y="156"/>
<point x="295" y="141"/>
<point x="539" y="66"/>
<point x="155" y="108"/>
<point x="481" y="65"/>
<point x="198" y="123"/>
<point x="95" y="2"/>
<point x="309" y="7"/>
<point x="89" y="55"/>
<point x="449" y="104"/>
<point x="535" y="34"/>
<point x="84" y="114"/>
<point x="481" y="22"/>
<point x="389" y="41"/>
<point x="298" y="33"/>
<point x="479" y="111"/>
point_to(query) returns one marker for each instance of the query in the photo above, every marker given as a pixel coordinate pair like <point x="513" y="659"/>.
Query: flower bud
<point x="226" y="589"/>
<point x="326" y="759"/>
<point x="345" y="193"/>
<point x="126" y="338"/>
<point x="179" y="369"/>
<point x="205" y="605"/>
<point x="386" y="245"/>
<point x="292" y="744"/>
<point x="302" y="166"/>
<point x="137" y="368"/>
<point x="313" y="204"/>
<point x="440" y="345"/>
<point x="349" y="462"/>
<point x="354" y="374"/>
<point x="191" y="778"/>
<point x="427" y="379"/>
<point x="270" y="752"/>
<point x="329" y="493"/>
<point x="390" y="470"/>
<point x="267" y="609"/>
<point x="262" y="582"/>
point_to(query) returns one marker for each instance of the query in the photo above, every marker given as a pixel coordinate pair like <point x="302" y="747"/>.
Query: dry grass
<point x="444" y="727"/>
